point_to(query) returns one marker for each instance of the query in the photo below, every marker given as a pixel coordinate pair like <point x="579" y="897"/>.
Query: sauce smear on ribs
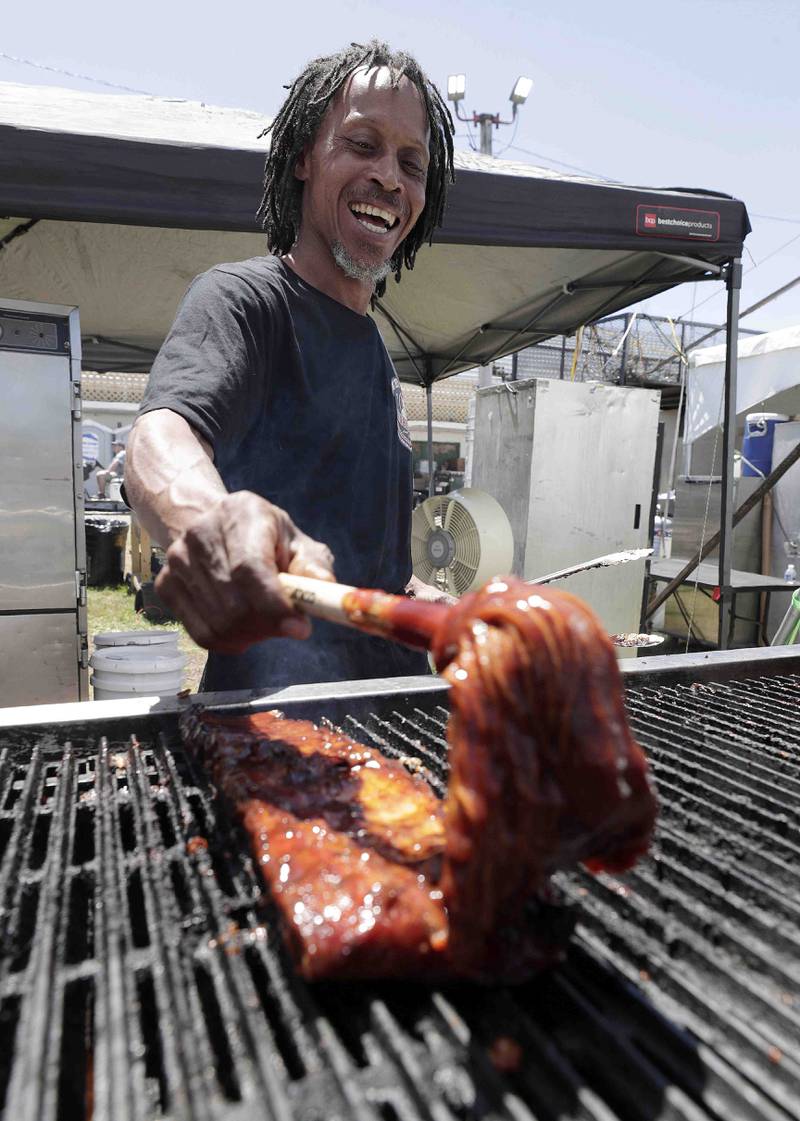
<point x="374" y="876"/>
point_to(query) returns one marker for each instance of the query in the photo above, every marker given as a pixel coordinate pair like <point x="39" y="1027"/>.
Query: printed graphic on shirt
<point x="403" y="431"/>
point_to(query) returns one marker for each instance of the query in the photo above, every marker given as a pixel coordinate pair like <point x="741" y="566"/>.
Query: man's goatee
<point x="358" y="270"/>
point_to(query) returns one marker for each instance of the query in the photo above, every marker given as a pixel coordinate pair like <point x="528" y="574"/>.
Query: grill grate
<point x="140" y="976"/>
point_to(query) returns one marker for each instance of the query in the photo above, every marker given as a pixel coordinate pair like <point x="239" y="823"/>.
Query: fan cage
<point x="448" y="514"/>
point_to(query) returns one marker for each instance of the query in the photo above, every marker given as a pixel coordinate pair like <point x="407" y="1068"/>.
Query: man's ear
<point x="301" y="164"/>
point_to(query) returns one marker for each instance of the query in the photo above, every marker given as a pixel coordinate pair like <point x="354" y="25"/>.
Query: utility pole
<point x="456" y="89"/>
<point x="486" y="120"/>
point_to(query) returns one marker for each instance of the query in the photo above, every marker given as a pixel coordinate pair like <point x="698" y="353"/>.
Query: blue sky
<point x="695" y="94"/>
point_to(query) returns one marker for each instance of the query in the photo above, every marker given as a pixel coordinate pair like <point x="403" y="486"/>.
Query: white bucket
<point x="115" y="490"/>
<point x="135" y="671"/>
<point x="166" y="641"/>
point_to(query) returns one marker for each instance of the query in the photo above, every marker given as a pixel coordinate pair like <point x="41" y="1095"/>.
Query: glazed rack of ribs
<point x="141" y="974"/>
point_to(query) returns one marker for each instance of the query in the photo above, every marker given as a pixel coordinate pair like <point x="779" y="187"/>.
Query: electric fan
<point x="460" y="540"/>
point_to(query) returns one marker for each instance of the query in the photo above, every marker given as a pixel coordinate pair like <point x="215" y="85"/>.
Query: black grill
<point x="141" y="976"/>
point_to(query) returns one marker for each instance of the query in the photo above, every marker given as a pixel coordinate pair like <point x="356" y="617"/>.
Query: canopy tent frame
<point x="524" y="253"/>
<point x="533" y="337"/>
<point x="733" y="283"/>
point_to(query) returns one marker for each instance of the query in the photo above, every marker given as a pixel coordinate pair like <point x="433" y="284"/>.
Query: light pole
<point x="456" y="89"/>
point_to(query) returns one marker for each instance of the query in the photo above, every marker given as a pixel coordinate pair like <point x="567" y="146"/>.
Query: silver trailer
<point x="43" y="643"/>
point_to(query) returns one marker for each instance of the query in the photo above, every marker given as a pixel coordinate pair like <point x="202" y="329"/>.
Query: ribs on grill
<point x="374" y="876"/>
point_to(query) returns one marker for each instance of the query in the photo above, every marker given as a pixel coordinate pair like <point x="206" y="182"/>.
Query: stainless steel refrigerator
<point x="43" y="644"/>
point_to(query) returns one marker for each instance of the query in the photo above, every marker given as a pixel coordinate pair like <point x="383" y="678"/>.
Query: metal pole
<point x="486" y="120"/>
<point x="623" y="364"/>
<point x="733" y="279"/>
<point x="652" y="522"/>
<point x="429" y="403"/>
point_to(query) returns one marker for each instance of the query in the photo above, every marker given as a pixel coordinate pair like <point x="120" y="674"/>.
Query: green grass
<point x="111" y="608"/>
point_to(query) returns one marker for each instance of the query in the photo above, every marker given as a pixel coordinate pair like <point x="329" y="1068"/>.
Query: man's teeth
<point x="359" y="208"/>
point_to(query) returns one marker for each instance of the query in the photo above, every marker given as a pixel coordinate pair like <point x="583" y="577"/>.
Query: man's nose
<point x="386" y="170"/>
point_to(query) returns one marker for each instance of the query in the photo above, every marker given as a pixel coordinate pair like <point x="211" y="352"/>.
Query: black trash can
<point x="103" y="557"/>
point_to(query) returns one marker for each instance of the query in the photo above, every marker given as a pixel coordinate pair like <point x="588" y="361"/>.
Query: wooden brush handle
<point x="320" y="598"/>
<point x="410" y="621"/>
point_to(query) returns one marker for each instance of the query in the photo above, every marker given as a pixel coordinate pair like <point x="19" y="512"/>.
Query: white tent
<point x="768" y="380"/>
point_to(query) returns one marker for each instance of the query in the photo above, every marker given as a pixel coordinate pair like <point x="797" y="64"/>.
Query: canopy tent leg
<point x="429" y="405"/>
<point x="733" y="279"/>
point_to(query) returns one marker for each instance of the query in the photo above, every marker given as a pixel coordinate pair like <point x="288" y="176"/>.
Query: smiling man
<point x="272" y="436"/>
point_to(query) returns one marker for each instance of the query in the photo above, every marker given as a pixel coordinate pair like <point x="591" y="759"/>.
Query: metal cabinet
<point x="572" y="465"/>
<point x="42" y="541"/>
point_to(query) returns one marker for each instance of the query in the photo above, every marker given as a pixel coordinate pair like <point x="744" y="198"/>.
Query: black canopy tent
<point x="115" y="202"/>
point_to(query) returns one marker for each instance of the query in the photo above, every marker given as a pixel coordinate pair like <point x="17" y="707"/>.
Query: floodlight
<point x="456" y="87"/>
<point x="519" y="94"/>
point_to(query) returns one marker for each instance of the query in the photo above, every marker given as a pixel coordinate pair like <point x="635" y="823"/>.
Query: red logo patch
<point x="650" y="219"/>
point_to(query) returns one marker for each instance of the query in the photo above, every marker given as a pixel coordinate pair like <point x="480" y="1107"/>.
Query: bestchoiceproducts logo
<point x="672" y="221"/>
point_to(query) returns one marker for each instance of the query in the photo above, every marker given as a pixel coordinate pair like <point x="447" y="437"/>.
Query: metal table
<point x="706" y="578"/>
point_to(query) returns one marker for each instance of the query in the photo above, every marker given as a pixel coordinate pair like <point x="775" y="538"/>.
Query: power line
<point x="72" y="74"/>
<point x="772" y="296"/>
<point x="780" y="249"/>
<point x="513" y="135"/>
<point x="774" y="253"/>
<point x="775" y="218"/>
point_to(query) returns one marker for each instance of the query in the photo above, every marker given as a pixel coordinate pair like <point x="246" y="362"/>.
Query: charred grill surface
<point x="140" y="976"/>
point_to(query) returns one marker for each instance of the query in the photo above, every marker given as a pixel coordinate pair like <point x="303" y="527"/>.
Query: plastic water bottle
<point x="790" y="575"/>
<point x="788" y="633"/>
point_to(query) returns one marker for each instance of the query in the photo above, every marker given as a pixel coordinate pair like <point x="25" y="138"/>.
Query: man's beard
<point x="359" y="270"/>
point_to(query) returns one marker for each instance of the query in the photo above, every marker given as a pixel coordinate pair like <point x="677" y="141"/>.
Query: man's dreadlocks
<point x="296" y="125"/>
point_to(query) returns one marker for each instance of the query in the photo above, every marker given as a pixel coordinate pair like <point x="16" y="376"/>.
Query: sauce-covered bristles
<point x="544" y="771"/>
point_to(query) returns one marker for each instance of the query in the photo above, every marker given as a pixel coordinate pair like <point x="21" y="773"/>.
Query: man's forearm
<point x="170" y="477"/>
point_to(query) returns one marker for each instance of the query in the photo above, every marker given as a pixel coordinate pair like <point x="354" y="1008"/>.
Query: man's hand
<point x="220" y="575"/>
<point x="427" y="592"/>
<point x="225" y="550"/>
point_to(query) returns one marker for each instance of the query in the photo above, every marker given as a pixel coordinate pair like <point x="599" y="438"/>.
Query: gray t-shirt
<point x="117" y="464"/>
